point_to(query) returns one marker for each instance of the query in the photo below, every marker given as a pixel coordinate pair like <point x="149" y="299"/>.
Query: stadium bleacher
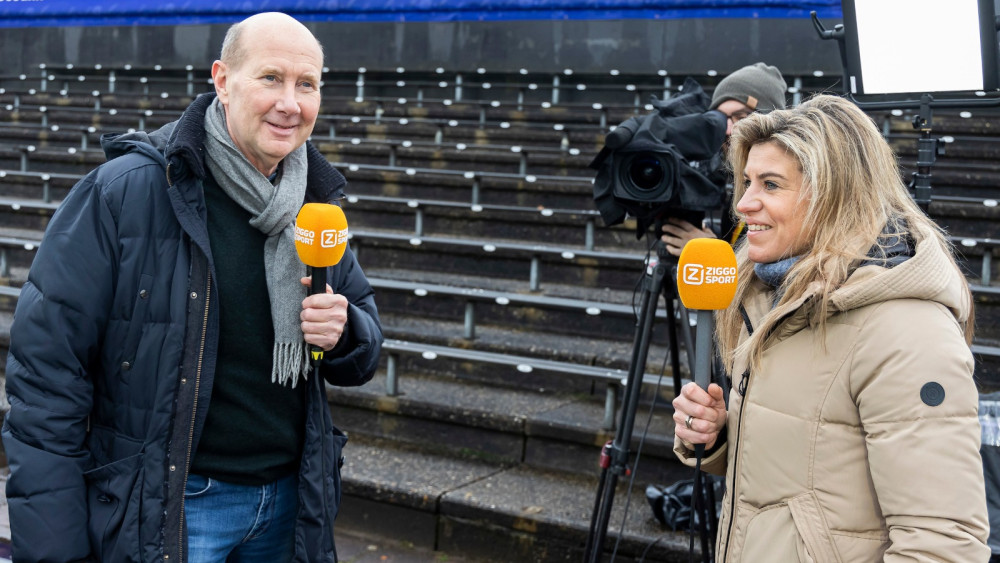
<point x="507" y="305"/>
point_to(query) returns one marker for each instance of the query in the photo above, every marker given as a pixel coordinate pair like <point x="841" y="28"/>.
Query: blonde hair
<point x="852" y="189"/>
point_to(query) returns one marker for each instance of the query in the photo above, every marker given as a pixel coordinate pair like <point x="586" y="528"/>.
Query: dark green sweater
<point x="255" y="428"/>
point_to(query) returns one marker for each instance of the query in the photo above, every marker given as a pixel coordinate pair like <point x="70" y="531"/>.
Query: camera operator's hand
<point x="677" y="233"/>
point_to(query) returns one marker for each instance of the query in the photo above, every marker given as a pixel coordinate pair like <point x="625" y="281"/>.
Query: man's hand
<point x="323" y="317"/>
<point x="677" y="233"/>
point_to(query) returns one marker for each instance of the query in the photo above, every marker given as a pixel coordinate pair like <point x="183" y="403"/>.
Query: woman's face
<point x="773" y="206"/>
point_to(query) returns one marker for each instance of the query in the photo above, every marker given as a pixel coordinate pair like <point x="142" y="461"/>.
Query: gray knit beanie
<point x="759" y="86"/>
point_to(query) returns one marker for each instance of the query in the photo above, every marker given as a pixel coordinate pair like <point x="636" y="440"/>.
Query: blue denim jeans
<point x="238" y="523"/>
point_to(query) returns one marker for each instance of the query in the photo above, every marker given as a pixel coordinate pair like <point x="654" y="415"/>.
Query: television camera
<point x="666" y="163"/>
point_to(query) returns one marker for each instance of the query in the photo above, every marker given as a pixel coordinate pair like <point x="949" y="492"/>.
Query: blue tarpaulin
<point x="61" y="13"/>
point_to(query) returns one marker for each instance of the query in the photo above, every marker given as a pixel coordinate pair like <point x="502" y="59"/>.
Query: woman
<point x="851" y="433"/>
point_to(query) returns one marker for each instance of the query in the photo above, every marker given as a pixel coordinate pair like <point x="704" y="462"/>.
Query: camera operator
<point x="756" y="87"/>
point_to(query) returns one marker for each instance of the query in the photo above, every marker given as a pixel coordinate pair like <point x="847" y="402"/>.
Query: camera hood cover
<point x="681" y="130"/>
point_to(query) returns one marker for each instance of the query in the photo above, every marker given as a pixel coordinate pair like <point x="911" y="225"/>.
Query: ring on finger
<point x="687" y="422"/>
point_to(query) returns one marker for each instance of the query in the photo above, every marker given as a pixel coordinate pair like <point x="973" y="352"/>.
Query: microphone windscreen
<point x="706" y="274"/>
<point x="320" y="234"/>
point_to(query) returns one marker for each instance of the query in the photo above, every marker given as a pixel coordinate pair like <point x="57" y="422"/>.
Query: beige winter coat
<point x="838" y="455"/>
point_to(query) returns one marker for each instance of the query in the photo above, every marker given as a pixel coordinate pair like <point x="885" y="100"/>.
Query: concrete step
<point x="469" y="184"/>
<point x="551" y="158"/>
<point x="572" y="228"/>
<point x="492" y="512"/>
<point x="36" y="186"/>
<point x="605" y="353"/>
<point x="518" y="161"/>
<point x="549" y="429"/>
<point x="531" y="267"/>
<point x="527" y="313"/>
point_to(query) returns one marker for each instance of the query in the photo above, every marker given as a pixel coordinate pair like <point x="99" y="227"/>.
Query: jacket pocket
<point x="196" y="485"/>
<point x="113" y="506"/>
<point x="139" y="309"/>
<point x="766" y="534"/>
<point x="812" y="528"/>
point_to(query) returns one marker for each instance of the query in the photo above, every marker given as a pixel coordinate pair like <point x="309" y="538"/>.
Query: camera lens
<point x="646" y="172"/>
<point x="645" y="176"/>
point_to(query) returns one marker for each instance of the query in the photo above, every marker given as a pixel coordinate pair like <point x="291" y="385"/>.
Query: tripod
<point x="657" y="279"/>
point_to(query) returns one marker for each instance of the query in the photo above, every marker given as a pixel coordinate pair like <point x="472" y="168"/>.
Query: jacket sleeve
<point x="715" y="460"/>
<point x="354" y="359"/>
<point x="911" y="376"/>
<point x="55" y="338"/>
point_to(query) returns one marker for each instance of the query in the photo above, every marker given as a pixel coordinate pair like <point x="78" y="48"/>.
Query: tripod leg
<point x="618" y="451"/>
<point x="669" y="295"/>
<point x="675" y="359"/>
<point x="598" y="501"/>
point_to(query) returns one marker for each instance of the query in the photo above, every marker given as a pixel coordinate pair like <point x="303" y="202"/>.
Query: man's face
<point x="734" y="111"/>
<point x="272" y="98"/>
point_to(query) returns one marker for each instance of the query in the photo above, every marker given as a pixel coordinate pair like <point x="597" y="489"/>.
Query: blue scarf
<point x="892" y="249"/>
<point x="773" y="274"/>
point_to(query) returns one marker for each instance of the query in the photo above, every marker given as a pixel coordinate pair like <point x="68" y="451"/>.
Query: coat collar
<point x="185" y="154"/>
<point x="928" y="275"/>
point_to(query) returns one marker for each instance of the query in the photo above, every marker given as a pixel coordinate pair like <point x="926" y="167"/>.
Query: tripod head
<point x="928" y="150"/>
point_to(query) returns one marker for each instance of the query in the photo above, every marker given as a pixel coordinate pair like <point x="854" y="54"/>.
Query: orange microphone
<point x="706" y="274"/>
<point x="706" y="282"/>
<point x="320" y="240"/>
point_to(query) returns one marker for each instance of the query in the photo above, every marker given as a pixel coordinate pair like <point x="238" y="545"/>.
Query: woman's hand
<point x="707" y="412"/>
<point x="677" y="233"/>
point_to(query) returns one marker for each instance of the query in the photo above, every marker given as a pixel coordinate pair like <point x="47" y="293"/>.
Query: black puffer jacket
<point x="112" y="358"/>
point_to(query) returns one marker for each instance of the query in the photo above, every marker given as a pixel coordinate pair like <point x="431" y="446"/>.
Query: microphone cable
<point x="695" y="504"/>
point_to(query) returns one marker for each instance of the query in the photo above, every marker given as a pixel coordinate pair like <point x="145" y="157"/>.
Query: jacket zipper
<point x="744" y="388"/>
<point x="736" y="460"/>
<point x="194" y="412"/>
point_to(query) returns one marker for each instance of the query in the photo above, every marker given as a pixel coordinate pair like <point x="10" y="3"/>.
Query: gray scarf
<point x="274" y="208"/>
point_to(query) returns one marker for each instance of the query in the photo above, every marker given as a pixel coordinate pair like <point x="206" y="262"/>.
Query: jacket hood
<point x="927" y="273"/>
<point x="930" y="274"/>
<point x="149" y="144"/>
<point x="181" y="144"/>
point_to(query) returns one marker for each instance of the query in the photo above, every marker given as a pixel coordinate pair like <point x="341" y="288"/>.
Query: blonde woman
<point x="851" y="433"/>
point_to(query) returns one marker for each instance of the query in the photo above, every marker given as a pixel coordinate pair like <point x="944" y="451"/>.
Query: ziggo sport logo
<point x="696" y="274"/>
<point x="327" y="239"/>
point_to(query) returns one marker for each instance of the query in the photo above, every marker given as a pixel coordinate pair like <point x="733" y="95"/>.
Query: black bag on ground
<point x="672" y="504"/>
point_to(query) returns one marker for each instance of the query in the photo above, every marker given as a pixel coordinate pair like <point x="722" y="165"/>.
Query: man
<point x="162" y="404"/>
<point x="756" y="87"/>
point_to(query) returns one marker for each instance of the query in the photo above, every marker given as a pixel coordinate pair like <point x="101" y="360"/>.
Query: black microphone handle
<point x="704" y="339"/>
<point x="318" y="286"/>
<point x="318" y="280"/>
<point x="702" y="371"/>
